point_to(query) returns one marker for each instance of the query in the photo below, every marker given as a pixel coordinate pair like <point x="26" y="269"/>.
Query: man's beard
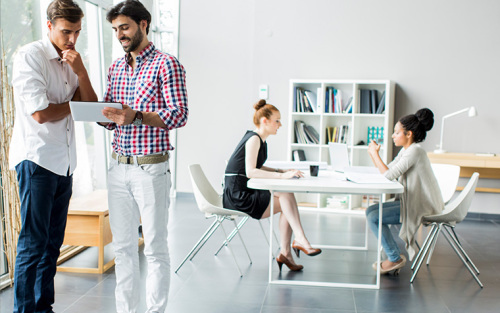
<point x="134" y="42"/>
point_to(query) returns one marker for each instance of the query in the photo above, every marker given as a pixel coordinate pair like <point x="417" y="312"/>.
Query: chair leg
<point x="209" y="230"/>
<point x="455" y="238"/>
<point x="445" y="235"/>
<point x="420" y="250"/>
<point x="206" y="238"/>
<point x="265" y="236"/>
<point x="244" y="245"/>
<point x="233" y="233"/>
<point x="459" y="245"/>
<point x="455" y="234"/>
<point x="230" y="249"/>
<point x="425" y="249"/>
<point x="431" y="252"/>
<point x="275" y="236"/>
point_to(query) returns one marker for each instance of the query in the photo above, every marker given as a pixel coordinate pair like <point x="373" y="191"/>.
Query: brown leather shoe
<point x="309" y="251"/>
<point x="281" y="259"/>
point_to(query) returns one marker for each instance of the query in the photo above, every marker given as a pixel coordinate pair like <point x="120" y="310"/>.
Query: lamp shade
<point x="471" y="112"/>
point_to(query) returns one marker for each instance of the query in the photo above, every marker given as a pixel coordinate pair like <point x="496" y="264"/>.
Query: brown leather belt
<point x="145" y="159"/>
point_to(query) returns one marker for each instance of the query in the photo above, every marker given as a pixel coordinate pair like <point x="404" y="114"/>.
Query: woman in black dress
<point x="247" y="162"/>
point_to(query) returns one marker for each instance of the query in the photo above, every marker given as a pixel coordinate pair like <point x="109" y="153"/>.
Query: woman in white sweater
<point x="421" y="195"/>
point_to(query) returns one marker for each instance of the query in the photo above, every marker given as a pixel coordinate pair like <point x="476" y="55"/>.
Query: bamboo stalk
<point x="9" y="185"/>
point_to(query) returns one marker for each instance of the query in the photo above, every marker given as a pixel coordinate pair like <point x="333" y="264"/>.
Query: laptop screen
<point x="339" y="156"/>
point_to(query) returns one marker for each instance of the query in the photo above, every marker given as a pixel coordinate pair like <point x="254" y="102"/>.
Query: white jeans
<point x="140" y="193"/>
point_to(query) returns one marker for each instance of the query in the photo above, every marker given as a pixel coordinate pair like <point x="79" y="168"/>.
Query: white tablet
<point x="91" y="111"/>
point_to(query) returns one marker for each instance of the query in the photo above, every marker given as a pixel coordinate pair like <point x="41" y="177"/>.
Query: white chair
<point x="447" y="177"/>
<point x="454" y="212"/>
<point x="240" y="225"/>
<point x="210" y="203"/>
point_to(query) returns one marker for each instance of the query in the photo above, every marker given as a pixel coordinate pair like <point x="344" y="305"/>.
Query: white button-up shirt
<point x="40" y="78"/>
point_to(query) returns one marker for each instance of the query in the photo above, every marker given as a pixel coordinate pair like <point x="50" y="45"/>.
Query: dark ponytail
<point x="419" y="123"/>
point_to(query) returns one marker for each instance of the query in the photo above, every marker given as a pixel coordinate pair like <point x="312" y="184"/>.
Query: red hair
<point x="263" y="109"/>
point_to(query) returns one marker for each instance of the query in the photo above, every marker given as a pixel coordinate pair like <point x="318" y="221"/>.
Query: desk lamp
<point x="470" y="111"/>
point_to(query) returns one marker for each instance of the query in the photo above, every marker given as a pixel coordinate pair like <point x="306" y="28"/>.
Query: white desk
<point x="326" y="182"/>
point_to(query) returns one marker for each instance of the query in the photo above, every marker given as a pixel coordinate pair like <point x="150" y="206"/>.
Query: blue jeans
<point x="44" y="209"/>
<point x="390" y="215"/>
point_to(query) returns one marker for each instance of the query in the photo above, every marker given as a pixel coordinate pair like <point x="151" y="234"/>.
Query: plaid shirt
<point x="157" y="85"/>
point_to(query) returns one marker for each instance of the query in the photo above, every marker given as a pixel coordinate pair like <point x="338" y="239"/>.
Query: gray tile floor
<point x="212" y="284"/>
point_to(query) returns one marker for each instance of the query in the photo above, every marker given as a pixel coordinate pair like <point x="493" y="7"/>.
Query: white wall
<point x="442" y="54"/>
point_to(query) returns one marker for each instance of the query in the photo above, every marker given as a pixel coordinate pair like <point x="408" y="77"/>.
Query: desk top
<point x="95" y="203"/>
<point x="326" y="182"/>
<point x="465" y="160"/>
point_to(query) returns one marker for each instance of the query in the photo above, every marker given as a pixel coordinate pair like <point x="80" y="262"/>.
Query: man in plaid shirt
<point x="150" y="85"/>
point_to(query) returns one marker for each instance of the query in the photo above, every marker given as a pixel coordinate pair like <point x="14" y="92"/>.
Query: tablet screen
<point x="91" y="111"/>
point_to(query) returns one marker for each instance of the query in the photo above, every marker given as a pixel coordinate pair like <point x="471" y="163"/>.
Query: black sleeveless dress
<point x="237" y="196"/>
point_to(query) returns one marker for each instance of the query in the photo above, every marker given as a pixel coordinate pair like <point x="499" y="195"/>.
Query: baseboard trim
<point x="483" y="217"/>
<point x="185" y="194"/>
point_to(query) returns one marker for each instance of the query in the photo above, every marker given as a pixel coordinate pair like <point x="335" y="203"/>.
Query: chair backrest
<point x="205" y="195"/>
<point x="447" y="177"/>
<point x="456" y="210"/>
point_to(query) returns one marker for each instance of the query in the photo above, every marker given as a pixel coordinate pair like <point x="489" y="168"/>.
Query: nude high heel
<point x="396" y="268"/>
<point x="281" y="259"/>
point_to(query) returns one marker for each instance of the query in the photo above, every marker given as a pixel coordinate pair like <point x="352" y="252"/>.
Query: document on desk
<point x="365" y="175"/>
<point x="297" y="165"/>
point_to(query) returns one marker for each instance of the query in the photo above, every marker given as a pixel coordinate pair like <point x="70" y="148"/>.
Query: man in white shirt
<point x="47" y="74"/>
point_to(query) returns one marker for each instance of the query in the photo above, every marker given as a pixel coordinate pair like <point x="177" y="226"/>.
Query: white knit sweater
<point x="421" y="195"/>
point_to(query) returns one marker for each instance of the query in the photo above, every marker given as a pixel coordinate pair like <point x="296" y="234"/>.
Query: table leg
<point x="100" y="258"/>
<point x="271" y="237"/>
<point x="379" y="241"/>
<point x="367" y="230"/>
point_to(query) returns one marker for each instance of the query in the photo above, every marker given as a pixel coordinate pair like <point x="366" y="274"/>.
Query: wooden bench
<point x="87" y="226"/>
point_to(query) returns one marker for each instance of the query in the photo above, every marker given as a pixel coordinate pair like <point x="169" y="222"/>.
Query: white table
<point x="326" y="182"/>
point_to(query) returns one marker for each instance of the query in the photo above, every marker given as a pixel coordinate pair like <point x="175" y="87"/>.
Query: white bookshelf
<point x="358" y="127"/>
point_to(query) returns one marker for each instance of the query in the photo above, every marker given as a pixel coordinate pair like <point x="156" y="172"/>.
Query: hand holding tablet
<point x="121" y="116"/>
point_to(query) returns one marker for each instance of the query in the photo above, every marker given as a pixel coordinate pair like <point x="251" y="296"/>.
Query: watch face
<point x="138" y="118"/>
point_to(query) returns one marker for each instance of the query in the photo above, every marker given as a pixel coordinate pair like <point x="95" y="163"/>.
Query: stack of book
<point x="334" y="102"/>
<point x="369" y="102"/>
<point x="305" y="134"/>
<point x="337" y="134"/>
<point x="337" y="202"/>
<point x="304" y="101"/>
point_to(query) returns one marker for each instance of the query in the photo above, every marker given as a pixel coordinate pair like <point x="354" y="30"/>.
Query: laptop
<point x="339" y="156"/>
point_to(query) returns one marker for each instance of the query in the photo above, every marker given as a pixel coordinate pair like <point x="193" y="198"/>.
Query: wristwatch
<point x="138" y="119"/>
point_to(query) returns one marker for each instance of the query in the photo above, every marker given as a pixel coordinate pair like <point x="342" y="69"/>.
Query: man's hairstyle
<point x="130" y="8"/>
<point x="66" y="9"/>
